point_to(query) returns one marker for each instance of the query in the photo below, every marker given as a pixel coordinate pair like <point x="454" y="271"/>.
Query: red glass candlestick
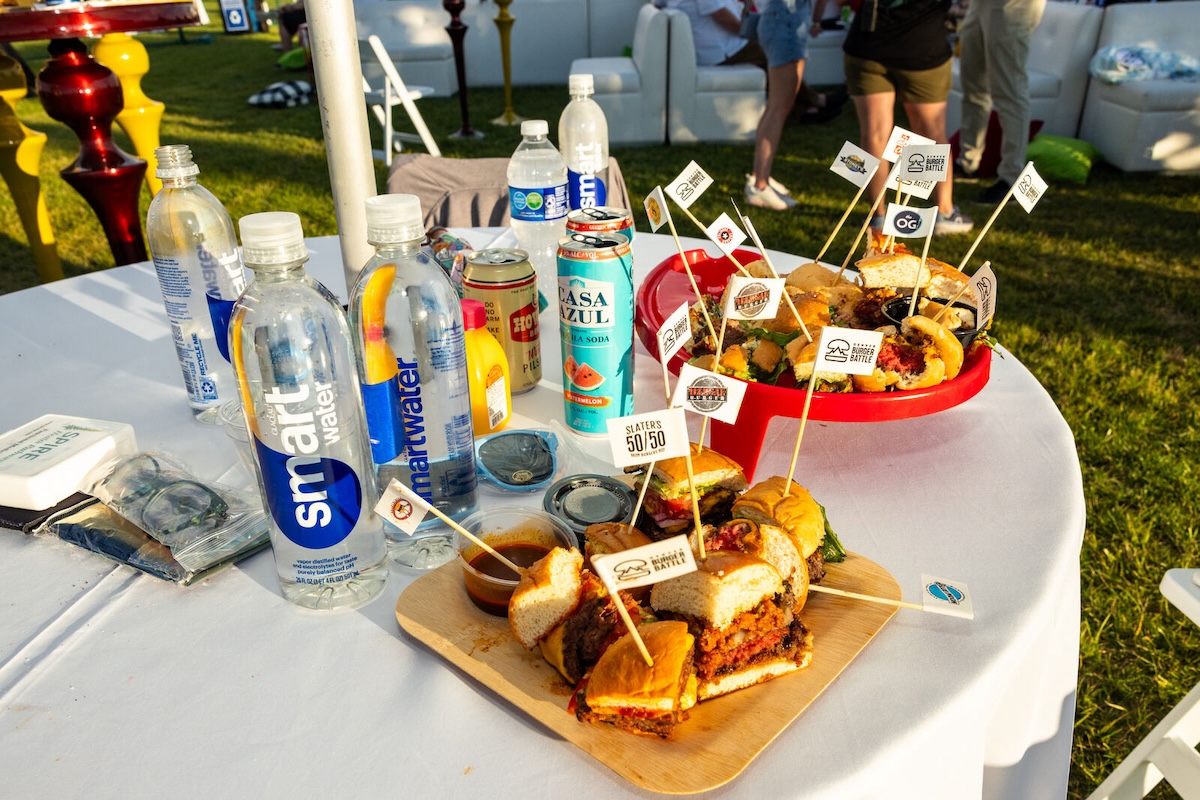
<point x="87" y="97"/>
<point x="457" y="31"/>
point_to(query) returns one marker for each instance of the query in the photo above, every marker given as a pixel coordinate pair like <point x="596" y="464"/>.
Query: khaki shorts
<point x="911" y="86"/>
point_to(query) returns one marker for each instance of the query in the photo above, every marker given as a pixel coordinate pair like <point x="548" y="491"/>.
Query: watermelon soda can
<point x="595" y="321"/>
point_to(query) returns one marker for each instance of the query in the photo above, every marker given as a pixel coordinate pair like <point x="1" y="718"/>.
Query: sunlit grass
<point x="1100" y="299"/>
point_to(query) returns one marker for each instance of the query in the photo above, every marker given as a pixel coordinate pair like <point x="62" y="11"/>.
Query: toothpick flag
<point x="675" y="332"/>
<point x="644" y="438"/>
<point x="647" y="564"/>
<point x="847" y="350"/>
<point x="1029" y="187"/>
<point x="855" y="164"/>
<point x="709" y="393"/>
<point x="402" y="507"/>
<point x="752" y="298"/>
<point x="689" y="185"/>
<point x="656" y="208"/>
<point x="950" y="598"/>
<point x="909" y="222"/>
<point x="725" y="234"/>
<point x="983" y="283"/>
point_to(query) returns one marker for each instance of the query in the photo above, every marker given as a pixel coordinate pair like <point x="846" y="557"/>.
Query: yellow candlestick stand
<point x="504" y="22"/>
<point x="142" y="117"/>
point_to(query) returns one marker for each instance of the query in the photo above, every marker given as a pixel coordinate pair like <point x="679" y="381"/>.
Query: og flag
<point x="908" y="222"/>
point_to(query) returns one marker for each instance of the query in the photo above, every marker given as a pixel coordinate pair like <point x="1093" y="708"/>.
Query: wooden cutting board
<point x="720" y="738"/>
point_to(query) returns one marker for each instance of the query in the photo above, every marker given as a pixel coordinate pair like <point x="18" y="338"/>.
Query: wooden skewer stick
<point x="700" y="225"/>
<point x="716" y="369"/>
<point x="615" y="597"/>
<point x="771" y="266"/>
<point x="862" y="231"/>
<point x="886" y="601"/>
<point x="691" y="278"/>
<point x="912" y="305"/>
<point x="812" y="382"/>
<point x="950" y="303"/>
<point x="637" y="507"/>
<point x="479" y="542"/>
<point x="837" y="228"/>
<point x="695" y="503"/>
<point x="971" y="250"/>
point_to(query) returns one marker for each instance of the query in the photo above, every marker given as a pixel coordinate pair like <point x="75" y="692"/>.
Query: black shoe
<point x="994" y="193"/>
<point x="822" y="114"/>
<point x="837" y="97"/>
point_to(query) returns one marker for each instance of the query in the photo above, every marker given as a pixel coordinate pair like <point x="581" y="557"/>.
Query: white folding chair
<point x="383" y="100"/>
<point x="1169" y="751"/>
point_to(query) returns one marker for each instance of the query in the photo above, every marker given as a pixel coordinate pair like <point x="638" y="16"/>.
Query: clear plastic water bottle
<point x="295" y="366"/>
<point x="537" y="198"/>
<point x="408" y="332"/>
<point x="583" y="139"/>
<point x="200" y="275"/>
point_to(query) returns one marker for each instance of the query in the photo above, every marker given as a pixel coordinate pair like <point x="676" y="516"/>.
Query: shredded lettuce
<point x="831" y="546"/>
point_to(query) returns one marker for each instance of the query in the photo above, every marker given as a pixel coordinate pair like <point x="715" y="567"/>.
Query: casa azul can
<point x="595" y="313"/>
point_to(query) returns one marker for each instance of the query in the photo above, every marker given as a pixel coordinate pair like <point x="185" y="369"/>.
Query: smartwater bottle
<point x="200" y="275"/>
<point x="408" y="332"/>
<point x="295" y="367"/>
<point x="583" y="140"/>
<point x="537" y="198"/>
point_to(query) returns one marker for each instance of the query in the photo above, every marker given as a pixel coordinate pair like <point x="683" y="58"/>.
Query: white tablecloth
<point x="115" y="684"/>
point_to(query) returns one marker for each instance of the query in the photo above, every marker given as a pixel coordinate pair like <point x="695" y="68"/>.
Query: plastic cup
<point x="522" y="535"/>
<point x="234" y="424"/>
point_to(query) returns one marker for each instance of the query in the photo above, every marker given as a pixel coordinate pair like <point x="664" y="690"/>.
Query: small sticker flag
<point x="402" y="507"/>
<point x="642" y="566"/>
<point x="909" y="222"/>
<point x="1029" y="187"/>
<point x="983" y="283"/>
<point x="847" y="350"/>
<point x="901" y="139"/>
<point x="656" y="208"/>
<point x="709" y="394"/>
<point x="753" y="298"/>
<point x="725" y="234"/>
<point x="675" y="332"/>
<point x="951" y="598"/>
<point x="689" y="185"/>
<point x="653" y="436"/>
<point x="930" y="162"/>
<point x="855" y="164"/>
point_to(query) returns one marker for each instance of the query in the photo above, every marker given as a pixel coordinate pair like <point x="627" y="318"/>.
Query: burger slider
<point x="767" y="542"/>
<point x="798" y="515"/>
<point x="667" y="510"/>
<point x="624" y="692"/>
<point x="743" y="619"/>
<point x="605" y="538"/>
<point x="893" y="270"/>
<point x="548" y="593"/>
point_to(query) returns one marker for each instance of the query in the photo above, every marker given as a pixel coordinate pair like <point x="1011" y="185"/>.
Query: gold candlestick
<point x="504" y="22"/>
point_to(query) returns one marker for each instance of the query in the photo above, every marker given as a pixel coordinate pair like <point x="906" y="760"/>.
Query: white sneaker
<point x="767" y="198"/>
<point x="774" y="184"/>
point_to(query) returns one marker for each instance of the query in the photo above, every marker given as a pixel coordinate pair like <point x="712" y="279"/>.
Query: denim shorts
<point x="783" y="34"/>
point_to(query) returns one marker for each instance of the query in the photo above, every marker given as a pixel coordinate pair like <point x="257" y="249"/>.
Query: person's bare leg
<point x="876" y="117"/>
<point x="782" y="84"/>
<point x="929" y="119"/>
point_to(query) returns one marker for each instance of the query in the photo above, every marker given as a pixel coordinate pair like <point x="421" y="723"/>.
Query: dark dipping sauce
<point x="493" y="597"/>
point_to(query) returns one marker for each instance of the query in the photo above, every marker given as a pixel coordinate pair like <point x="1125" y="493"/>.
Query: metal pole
<point x="338" y="74"/>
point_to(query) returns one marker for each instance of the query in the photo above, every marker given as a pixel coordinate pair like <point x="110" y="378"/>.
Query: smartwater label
<point x="315" y="501"/>
<point x="220" y="311"/>
<point x="586" y="190"/>
<point x="385" y="420"/>
<point x="538" y="205"/>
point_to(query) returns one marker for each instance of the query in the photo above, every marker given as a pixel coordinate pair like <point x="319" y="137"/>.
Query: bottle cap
<point x="174" y="161"/>
<point x="393" y="218"/>
<point x="581" y="83"/>
<point x="272" y="239"/>
<point x="474" y="314"/>
<point x="535" y="127"/>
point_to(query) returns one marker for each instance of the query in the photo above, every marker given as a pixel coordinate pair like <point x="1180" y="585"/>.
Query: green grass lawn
<point x="1101" y="300"/>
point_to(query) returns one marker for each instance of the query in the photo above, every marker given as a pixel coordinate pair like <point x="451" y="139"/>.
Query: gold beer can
<point x="505" y="282"/>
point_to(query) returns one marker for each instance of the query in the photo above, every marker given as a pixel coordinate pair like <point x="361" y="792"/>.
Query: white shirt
<point x="713" y="43"/>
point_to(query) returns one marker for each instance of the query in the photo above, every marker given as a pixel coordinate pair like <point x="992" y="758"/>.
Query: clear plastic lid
<point x="581" y="83"/>
<point x="394" y="218"/>
<point x="272" y="239"/>
<point x="174" y="161"/>
<point x="535" y="127"/>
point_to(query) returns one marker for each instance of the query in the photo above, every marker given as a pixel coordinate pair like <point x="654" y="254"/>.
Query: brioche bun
<point x="803" y="355"/>
<point x="621" y="681"/>
<point x="893" y="270"/>
<point x="724" y="585"/>
<point x="812" y="275"/>
<point x="796" y="512"/>
<point x="946" y="282"/>
<point x="548" y="592"/>
<point x="708" y="467"/>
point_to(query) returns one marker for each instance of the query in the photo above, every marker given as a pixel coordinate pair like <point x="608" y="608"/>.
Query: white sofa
<point x="823" y="62"/>
<point x="632" y="91"/>
<point x="1059" y="51"/>
<point x="546" y="37"/>
<point x="709" y="104"/>
<point x="1153" y="125"/>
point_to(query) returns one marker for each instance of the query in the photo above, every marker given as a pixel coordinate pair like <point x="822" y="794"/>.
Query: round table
<point x="224" y="688"/>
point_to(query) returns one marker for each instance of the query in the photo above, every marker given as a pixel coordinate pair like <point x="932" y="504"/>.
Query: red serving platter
<point x="667" y="286"/>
